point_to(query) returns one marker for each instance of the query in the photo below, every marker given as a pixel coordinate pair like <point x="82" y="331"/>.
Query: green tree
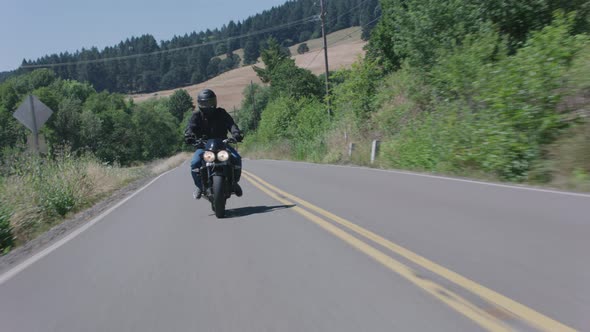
<point x="284" y="76"/>
<point x="251" y="52"/>
<point x="277" y="119"/>
<point x="151" y="71"/>
<point x="90" y="130"/>
<point x="213" y="67"/>
<point x="289" y="80"/>
<point x="255" y="99"/>
<point x="310" y="126"/>
<point x="179" y="103"/>
<point x="302" y="48"/>
<point x="221" y="48"/>
<point x="66" y="126"/>
<point x="355" y="95"/>
<point x="103" y="101"/>
<point x="414" y="30"/>
<point x="74" y="89"/>
<point x="155" y="130"/>
<point x="117" y="141"/>
<point x="8" y="96"/>
<point x="11" y="132"/>
<point x="272" y="57"/>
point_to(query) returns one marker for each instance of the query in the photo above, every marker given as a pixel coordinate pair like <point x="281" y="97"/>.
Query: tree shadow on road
<point x="250" y="210"/>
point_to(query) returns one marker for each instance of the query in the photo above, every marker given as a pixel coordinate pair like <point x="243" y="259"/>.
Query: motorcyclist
<point x="211" y="122"/>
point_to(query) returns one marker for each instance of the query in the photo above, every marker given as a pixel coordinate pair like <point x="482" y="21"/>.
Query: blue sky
<point x="33" y="28"/>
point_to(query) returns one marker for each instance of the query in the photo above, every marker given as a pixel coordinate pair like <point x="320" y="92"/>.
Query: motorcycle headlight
<point x="209" y="156"/>
<point x="222" y="155"/>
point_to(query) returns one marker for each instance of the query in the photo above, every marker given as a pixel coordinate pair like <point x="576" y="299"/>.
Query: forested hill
<point x="4" y="75"/>
<point x="293" y="22"/>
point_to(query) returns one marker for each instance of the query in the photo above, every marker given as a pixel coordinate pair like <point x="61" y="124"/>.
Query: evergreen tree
<point x="179" y="103"/>
<point x="138" y="69"/>
<point x="302" y="48"/>
<point x="251" y="52"/>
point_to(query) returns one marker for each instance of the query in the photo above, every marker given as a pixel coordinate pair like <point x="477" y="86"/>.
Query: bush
<point x="569" y="158"/>
<point x="6" y="237"/>
<point x="62" y="183"/>
<point x="309" y="128"/>
<point x="179" y="103"/>
<point x="155" y="131"/>
<point x="302" y="48"/>
<point x="277" y="118"/>
<point x="413" y="31"/>
<point x="510" y="105"/>
<point x="399" y="98"/>
<point x="58" y="198"/>
<point x="431" y="141"/>
<point x="255" y="99"/>
<point x="521" y="94"/>
<point x="354" y="97"/>
<point x="458" y="72"/>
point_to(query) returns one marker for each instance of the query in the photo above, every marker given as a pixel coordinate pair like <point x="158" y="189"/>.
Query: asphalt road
<point x="316" y="248"/>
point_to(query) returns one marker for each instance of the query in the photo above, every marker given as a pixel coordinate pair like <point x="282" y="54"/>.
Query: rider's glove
<point x="239" y="137"/>
<point x="189" y="139"/>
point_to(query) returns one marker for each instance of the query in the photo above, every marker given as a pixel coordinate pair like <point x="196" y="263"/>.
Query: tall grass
<point x="36" y="192"/>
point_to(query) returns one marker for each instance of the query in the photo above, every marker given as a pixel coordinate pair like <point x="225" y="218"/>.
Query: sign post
<point x="35" y="129"/>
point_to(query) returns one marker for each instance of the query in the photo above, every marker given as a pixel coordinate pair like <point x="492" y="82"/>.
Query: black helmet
<point x="207" y="100"/>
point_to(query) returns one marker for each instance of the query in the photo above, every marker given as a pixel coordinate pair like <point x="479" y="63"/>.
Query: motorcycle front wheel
<point x="218" y="203"/>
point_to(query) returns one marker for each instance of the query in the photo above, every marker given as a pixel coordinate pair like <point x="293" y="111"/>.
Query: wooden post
<point x="351" y="147"/>
<point x="374" y="150"/>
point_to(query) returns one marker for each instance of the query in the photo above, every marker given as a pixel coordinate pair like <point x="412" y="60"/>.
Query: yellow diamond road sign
<point x="33" y="114"/>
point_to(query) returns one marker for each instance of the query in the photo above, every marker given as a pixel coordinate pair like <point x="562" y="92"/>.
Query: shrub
<point x="309" y="126"/>
<point x="302" y="48"/>
<point x="354" y="97"/>
<point x="255" y="99"/>
<point x="570" y="158"/>
<point x="155" y="133"/>
<point x="521" y="94"/>
<point x="6" y="237"/>
<point x="277" y="118"/>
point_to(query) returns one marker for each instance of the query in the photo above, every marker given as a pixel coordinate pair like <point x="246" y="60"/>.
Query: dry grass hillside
<point x="345" y="46"/>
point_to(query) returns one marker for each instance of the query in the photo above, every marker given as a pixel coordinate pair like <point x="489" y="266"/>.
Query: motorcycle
<point x="217" y="172"/>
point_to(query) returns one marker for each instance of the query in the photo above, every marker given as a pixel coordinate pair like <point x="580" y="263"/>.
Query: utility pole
<point x="323" y="17"/>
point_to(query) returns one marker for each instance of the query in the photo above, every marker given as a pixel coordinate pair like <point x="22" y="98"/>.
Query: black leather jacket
<point x="215" y="125"/>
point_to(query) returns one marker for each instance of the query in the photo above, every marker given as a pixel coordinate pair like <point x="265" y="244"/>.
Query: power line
<point x="333" y="43"/>
<point x="313" y="59"/>
<point x="132" y="56"/>
<point x="349" y="35"/>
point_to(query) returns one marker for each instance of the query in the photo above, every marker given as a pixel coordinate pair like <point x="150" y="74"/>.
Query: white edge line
<point x="559" y="192"/>
<point x="31" y="260"/>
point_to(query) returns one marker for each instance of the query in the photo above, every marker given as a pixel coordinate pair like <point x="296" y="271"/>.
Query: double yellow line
<point x="509" y="307"/>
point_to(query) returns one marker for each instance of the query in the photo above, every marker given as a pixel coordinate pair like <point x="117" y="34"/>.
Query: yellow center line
<point x="482" y="318"/>
<point x="521" y="311"/>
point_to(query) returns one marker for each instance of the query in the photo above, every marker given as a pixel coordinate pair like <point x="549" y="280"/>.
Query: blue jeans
<point x="197" y="163"/>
